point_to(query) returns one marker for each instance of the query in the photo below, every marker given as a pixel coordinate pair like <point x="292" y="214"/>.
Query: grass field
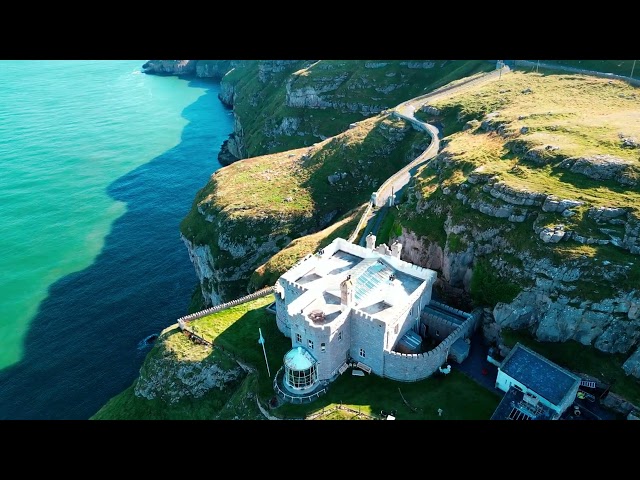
<point x="551" y="116"/>
<point x="459" y="397"/>
<point x="236" y="331"/>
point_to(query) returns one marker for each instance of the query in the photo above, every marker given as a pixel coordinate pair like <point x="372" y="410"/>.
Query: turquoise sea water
<point x="98" y="165"/>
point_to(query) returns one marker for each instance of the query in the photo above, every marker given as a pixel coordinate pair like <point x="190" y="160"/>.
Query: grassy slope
<point x="261" y="106"/>
<point x="270" y="271"/>
<point x="579" y="115"/>
<point x="127" y="406"/>
<point x="285" y="195"/>
<point x="236" y="331"/>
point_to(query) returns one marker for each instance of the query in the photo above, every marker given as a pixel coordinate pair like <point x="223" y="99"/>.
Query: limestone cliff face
<point x="215" y="69"/>
<point x="223" y="276"/>
<point x="549" y="308"/>
<point x="201" y="258"/>
<point x="170" y="67"/>
<point x="176" y="369"/>
<point x="284" y="104"/>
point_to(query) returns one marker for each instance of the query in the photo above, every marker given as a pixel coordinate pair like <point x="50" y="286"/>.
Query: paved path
<point x="406" y="111"/>
<point x="476" y="362"/>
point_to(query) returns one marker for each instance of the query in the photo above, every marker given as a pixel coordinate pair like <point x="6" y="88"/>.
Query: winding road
<point x="406" y="111"/>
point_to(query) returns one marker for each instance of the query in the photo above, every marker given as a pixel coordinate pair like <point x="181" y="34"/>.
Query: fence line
<point x="361" y="222"/>
<point x="582" y="71"/>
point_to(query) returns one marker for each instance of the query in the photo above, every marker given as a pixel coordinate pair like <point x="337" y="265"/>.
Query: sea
<point x="99" y="163"/>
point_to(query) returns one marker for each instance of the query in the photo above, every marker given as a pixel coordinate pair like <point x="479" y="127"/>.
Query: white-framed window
<point x="310" y="343"/>
<point x="363" y="354"/>
<point x="323" y="347"/>
<point x="298" y="338"/>
<point x="340" y="336"/>
<point x="301" y="378"/>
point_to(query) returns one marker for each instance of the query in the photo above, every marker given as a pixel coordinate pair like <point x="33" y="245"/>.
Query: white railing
<point x="298" y="398"/>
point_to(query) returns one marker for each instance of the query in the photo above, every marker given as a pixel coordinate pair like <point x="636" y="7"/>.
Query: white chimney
<point x="371" y="241"/>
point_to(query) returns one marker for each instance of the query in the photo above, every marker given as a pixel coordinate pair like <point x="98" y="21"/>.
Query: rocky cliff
<point x="280" y="105"/>
<point x="170" y="67"/>
<point x="178" y="369"/>
<point x="532" y="207"/>
<point x="215" y="69"/>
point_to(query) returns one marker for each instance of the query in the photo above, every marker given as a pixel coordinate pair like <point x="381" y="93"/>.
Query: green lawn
<point x="581" y="358"/>
<point x="236" y="331"/>
<point x="459" y="397"/>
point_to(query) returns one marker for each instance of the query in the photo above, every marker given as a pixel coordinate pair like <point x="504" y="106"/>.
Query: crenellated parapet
<point x="413" y="367"/>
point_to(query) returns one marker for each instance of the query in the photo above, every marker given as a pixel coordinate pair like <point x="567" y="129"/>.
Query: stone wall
<point x="413" y="367"/>
<point x="335" y="348"/>
<point x="443" y="327"/>
<point x="247" y="298"/>
<point x="367" y="333"/>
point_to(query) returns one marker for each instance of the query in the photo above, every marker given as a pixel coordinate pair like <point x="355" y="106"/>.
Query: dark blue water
<point x="81" y="348"/>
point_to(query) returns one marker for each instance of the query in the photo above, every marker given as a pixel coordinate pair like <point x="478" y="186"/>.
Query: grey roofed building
<point x="539" y="374"/>
<point x="516" y="405"/>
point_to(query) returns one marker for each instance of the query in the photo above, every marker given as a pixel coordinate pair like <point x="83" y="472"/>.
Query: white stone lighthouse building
<point x="348" y="302"/>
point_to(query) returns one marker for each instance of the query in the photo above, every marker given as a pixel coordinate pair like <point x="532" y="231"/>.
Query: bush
<point x="487" y="288"/>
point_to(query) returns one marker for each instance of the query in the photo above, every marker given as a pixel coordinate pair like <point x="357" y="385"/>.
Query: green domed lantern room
<point x="300" y="373"/>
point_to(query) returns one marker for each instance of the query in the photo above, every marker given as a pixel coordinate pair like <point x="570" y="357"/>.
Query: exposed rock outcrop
<point x="167" y="376"/>
<point x="170" y="67"/>
<point x="604" y="167"/>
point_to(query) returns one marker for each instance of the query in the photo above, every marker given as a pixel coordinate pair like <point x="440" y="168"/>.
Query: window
<point x="340" y="336"/>
<point x="363" y="354"/>
<point x="310" y="343"/>
<point x="437" y="333"/>
<point x="323" y="347"/>
<point x="298" y="338"/>
<point x="301" y="378"/>
<point x="396" y="328"/>
<point x="517" y="387"/>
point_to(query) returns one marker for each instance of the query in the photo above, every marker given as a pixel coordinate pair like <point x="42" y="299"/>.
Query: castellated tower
<point x="346" y="292"/>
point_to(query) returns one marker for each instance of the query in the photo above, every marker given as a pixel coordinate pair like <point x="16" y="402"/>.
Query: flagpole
<point x="261" y="341"/>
